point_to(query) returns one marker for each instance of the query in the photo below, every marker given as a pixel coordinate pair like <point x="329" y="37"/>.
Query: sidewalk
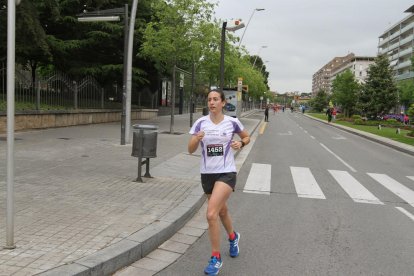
<point x="78" y="209"/>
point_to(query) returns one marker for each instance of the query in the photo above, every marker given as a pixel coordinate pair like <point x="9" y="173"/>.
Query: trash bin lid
<point x="147" y="127"/>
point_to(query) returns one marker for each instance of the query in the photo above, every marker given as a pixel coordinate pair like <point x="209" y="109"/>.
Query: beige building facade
<point x="358" y="67"/>
<point x="323" y="78"/>
<point x="397" y="43"/>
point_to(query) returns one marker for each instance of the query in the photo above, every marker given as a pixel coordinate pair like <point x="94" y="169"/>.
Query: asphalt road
<point x="314" y="200"/>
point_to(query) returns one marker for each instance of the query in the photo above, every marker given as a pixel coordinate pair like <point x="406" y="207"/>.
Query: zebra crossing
<point x="306" y="185"/>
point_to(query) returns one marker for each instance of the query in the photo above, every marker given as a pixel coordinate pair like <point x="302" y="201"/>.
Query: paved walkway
<point x="78" y="209"/>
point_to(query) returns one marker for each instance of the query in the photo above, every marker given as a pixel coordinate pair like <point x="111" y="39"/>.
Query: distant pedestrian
<point x="329" y="113"/>
<point x="266" y="112"/>
<point x="214" y="133"/>
<point x="334" y="114"/>
<point x="406" y="120"/>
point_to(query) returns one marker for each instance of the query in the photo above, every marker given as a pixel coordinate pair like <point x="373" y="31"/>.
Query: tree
<point x="344" y="92"/>
<point x="406" y="92"/>
<point x="379" y="94"/>
<point x="172" y="35"/>
<point x="320" y="101"/>
<point x="31" y="46"/>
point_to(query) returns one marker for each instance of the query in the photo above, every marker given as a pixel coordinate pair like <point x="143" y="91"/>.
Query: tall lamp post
<point x="248" y="24"/>
<point x="263" y="65"/>
<point x="113" y="15"/>
<point x="258" y="53"/>
<point x="11" y="59"/>
<point x="237" y="25"/>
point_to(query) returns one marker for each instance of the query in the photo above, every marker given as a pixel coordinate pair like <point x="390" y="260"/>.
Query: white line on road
<point x="411" y="177"/>
<point x="288" y="133"/>
<point x="405" y="212"/>
<point x="337" y="157"/>
<point x="312" y="137"/>
<point x="259" y="179"/>
<point x="353" y="188"/>
<point x="395" y="187"/>
<point x="305" y="183"/>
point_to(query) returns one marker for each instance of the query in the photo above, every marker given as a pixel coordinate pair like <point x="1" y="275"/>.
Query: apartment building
<point x="397" y="43"/>
<point x="321" y="80"/>
<point x="357" y="65"/>
<point x="324" y="77"/>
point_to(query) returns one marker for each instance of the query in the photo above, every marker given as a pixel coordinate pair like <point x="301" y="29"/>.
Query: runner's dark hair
<point x="223" y="98"/>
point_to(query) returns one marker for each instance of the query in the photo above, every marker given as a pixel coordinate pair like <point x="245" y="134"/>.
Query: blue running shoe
<point x="234" y="246"/>
<point x="213" y="266"/>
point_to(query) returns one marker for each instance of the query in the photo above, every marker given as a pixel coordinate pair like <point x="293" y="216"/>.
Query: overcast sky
<point x="303" y="35"/>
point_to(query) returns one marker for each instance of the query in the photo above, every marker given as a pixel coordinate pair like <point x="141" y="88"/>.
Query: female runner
<point x="215" y="133"/>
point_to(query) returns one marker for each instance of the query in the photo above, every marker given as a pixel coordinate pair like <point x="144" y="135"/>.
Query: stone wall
<point x="51" y="119"/>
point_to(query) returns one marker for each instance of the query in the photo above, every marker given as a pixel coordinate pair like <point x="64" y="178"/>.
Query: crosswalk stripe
<point x="353" y="188"/>
<point x="259" y="179"/>
<point x="405" y="212"/>
<point x="305" y="183"/>
<point x="411" y="177"/>
<point x="395" y="187"/>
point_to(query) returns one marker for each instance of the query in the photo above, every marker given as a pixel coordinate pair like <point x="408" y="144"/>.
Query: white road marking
<point x="305" y="183"/>
<point x="405" y="212"/>
<point x="312" y="137"/>
<point x="288" y="133"/>
<point x="353" y="188"/>
<point x="259" y="179"/>
<point x="411" y="177"/>
<point x="395" y="187"/>
<point x="339" y="158"/>
<point x="339" y="138"/>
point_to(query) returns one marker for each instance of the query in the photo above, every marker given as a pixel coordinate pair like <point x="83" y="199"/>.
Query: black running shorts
<point x="209" y="179"/>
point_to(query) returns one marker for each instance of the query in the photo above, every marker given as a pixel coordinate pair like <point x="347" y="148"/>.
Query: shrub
<point x="340" y="116"/>
<point x="356" y="117"/>
<point x="359" y="121"/>
<point x="391" y="122"/>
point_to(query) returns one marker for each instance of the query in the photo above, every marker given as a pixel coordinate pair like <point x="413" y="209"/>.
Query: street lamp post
<point x="248" y="24"/>
<point x="263" y="65"/>
<point x="258" y="53"/>
<point x="113" y="15"/>
<point x="11" y="59"/>
<point x="238" y="25"/>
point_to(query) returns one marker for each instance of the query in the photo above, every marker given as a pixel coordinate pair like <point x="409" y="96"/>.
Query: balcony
<point x="404" y="64"/>
<point x="403" y="76"/>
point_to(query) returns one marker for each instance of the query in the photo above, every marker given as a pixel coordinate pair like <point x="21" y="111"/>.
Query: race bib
<point x="215" y="150"/>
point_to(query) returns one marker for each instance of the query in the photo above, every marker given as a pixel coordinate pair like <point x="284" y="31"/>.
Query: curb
<point x="116" y="256"/>
<point x="372" y="137"/>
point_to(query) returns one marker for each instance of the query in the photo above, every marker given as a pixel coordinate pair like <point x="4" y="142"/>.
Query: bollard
<point x="398" y="131"/>
<point x="379" y="127"/>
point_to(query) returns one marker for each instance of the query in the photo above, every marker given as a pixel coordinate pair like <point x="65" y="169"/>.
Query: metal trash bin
<point x="205" y="111"/>
<point x="144" y="143"/>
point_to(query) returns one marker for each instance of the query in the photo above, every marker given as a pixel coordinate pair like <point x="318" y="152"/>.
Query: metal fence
<point x="56" y="91"/>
